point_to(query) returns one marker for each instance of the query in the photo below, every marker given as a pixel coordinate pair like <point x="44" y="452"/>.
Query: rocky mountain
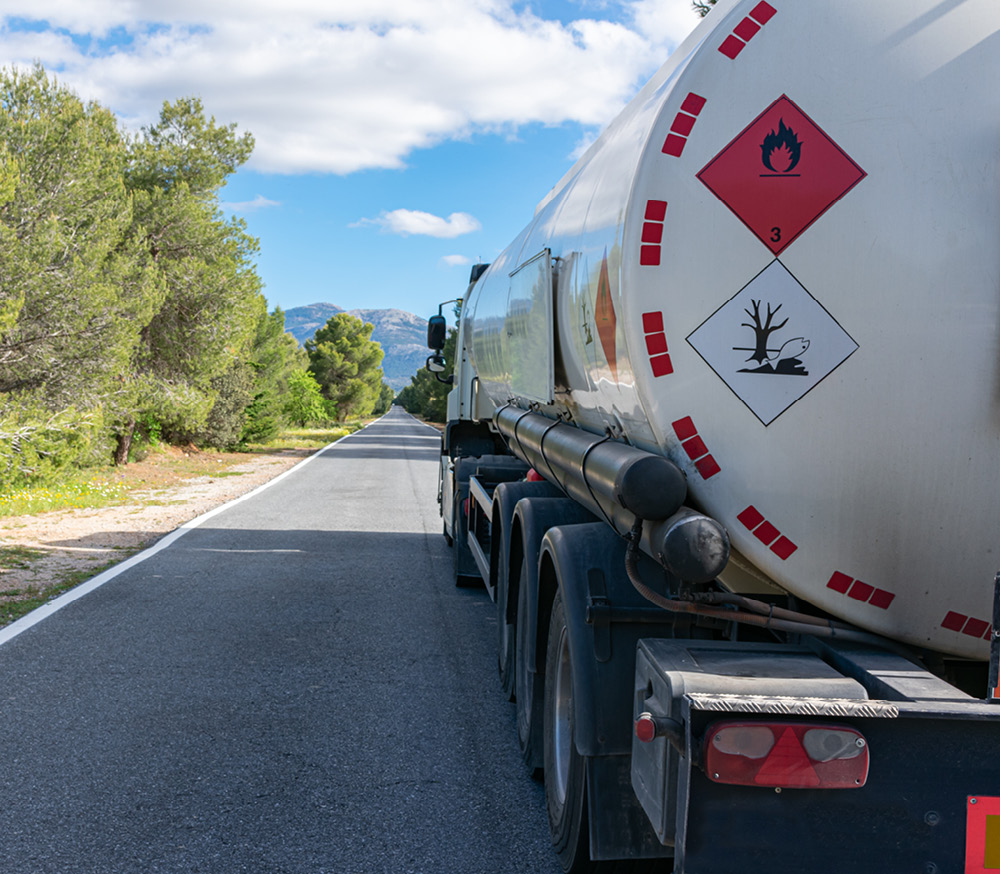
<point x="403" y="336"/>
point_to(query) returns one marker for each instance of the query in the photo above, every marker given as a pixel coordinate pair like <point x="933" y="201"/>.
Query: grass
<point x="78" y="490"/>
<point x="308" y="438"/>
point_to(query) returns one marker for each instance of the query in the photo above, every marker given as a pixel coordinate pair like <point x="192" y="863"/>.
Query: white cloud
<point x="259" y="202"/>
<point x="455" y="261"/>
<point x="338" y="87"/>
<point x="410" y="221"/>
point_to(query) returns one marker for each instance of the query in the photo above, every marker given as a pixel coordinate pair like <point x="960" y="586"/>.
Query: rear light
<point x="786" y="755"/>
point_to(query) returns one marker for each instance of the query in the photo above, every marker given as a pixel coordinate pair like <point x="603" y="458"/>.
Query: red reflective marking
<point x="980" y="838"/>
<point x="656" y="344"/>
<point x="751" y="517"/>
<point x="975" y="627"/>
<point x="732" y="47"/>
<point x="787" y="764"/>
<point x="840" y="582"/>
<point x="685" y="429"/>
<point x="693" y="103"/>
<point x="707" y="467"/>
<point x="649" y="256"/>
<point x="656" y="210"/>
<point x="881" y="598"/>
<point x="695" y="447"/>
<point x="662" y="365"/>
<point x="652" y="232"/>
<point x="652" y="322"/>
<point x="860" y="591"/>
<point x="766" y="533"/>
<point x="683" y="124"/>
<point x="674" y="145"/>
<point x="783" y="548"/>
<point x="954" y="621"/>
<point x="763" y="12"/>
<point x="747" y="29"/>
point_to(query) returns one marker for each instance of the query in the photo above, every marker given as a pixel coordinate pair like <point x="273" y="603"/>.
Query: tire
<point x="528" y="685"/>
<point x="565" y="768"/>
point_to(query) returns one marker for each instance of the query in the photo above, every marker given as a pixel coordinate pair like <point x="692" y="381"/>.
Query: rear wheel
<point x="565" y="771"/>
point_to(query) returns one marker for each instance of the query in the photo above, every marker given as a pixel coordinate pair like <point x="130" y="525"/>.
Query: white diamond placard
<point x="772" y="343"/>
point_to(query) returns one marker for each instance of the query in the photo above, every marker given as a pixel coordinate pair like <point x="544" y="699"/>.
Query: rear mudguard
<point x="605" y="619"/>
<point x="505" y="499"/>
<point x="533" y="517"/>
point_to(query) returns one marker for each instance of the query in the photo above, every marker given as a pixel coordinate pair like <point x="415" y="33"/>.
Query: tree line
<point x="130" y="305"/>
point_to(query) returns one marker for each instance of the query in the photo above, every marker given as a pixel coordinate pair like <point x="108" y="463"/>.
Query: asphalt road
<point x="293" y="686"/>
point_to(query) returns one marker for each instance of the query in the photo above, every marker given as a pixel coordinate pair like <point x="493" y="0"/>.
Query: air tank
<point x="780" y="267"/>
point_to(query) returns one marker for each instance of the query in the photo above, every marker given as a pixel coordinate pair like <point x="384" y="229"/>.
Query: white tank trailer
<point x="750" y="343"/>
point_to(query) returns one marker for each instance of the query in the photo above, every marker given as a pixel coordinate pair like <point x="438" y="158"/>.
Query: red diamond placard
<point x="781" y="174"/>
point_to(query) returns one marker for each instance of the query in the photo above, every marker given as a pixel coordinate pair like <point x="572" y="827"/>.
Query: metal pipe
<point x="621" y="484"/>
<point x="589" y="466"/>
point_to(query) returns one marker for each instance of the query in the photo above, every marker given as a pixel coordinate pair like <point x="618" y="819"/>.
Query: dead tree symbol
<point x="762" y="331"/>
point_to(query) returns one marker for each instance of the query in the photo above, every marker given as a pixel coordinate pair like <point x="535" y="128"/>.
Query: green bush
<point x="37" y="445"/>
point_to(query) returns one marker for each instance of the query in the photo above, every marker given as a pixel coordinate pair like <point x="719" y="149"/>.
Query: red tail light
<point x="786" y="755"/>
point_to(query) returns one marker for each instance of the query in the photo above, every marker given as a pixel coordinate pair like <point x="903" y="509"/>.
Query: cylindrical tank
<point x="780" y="267"/>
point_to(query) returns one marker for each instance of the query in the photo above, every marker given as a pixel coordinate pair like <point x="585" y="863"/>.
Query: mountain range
<point x="403" y="336"/>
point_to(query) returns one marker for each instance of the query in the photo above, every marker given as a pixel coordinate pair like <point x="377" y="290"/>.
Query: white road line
<point x="56" y="604"/>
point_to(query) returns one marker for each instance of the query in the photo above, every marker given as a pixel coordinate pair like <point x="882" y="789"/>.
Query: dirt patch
<point x="43" y="553"/>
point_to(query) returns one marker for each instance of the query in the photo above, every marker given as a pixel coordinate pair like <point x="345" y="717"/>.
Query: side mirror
<point x="437" y="331"/>
<point x="435" y="364"/>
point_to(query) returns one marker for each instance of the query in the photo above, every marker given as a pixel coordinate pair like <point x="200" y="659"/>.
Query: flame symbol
<point x="781" y="150"/>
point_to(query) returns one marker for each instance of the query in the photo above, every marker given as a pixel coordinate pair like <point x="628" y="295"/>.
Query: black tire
<point x="565" y="768"/>
<point x="505" y="633"/>
<point x="528" y="685"/>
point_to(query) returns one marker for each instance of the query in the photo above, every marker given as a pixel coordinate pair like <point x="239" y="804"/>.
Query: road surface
<point x="295" y="685"/>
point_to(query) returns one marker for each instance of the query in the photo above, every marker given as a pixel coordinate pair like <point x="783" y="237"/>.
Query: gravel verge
<point x="72" y="545"/>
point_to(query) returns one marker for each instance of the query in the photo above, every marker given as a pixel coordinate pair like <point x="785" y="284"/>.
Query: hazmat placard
<point x="772" y="343"/>
<point x="780" y="174"/>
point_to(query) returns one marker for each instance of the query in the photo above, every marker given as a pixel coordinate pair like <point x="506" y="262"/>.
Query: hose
<point x="755" y="613"/>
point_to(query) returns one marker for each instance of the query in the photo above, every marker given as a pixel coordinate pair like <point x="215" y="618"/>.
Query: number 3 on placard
<point x="775" y="235"/>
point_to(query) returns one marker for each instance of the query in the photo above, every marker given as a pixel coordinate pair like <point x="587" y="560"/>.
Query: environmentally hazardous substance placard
<point x="781" y="174"/>
<point x="772" y="342"/>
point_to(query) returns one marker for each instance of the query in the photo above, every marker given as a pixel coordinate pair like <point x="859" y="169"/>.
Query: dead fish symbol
<point x="792" y="349"/>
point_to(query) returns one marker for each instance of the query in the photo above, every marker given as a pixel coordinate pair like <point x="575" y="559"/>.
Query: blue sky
<point x="398" y="141"/>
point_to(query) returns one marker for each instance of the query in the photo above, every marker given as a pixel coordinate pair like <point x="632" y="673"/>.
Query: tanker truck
<point x="723" y="446"/>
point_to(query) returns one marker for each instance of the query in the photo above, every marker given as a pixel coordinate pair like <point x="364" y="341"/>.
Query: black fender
<point x="606" y="617"/>
<point x="533" y="517"/>
<point x="505" y="499"/>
